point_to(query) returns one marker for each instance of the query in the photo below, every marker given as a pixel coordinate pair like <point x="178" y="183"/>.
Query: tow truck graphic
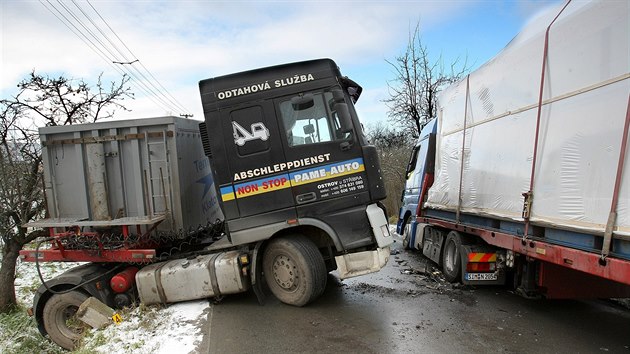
<point x="257" y="131"/>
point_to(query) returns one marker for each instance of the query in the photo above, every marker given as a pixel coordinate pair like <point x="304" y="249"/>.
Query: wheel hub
<point x="285" y="272"/>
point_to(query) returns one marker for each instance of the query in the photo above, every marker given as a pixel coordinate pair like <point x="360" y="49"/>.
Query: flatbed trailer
<point x="526" y="181"/>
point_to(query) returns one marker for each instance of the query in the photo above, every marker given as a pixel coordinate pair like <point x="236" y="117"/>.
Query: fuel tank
<point x="192" y="278"/>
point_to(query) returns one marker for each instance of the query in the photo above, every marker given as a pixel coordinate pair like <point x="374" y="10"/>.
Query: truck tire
<point x="406" y="237"/>
<point x="294" y="270"/>
<point x="451" y="259"/>
<point x="59" y="319"/>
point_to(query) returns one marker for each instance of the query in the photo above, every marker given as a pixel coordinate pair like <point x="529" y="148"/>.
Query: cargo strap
<point x="529" y="195"/>
<point x="615" y="198"/>
<point x="461" y="167"/>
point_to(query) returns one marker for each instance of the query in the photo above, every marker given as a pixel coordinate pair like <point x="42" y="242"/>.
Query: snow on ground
<point x="176" y="328"/>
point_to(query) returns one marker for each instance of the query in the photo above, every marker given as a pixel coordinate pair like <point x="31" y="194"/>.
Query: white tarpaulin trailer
<point x="490" y="119"/>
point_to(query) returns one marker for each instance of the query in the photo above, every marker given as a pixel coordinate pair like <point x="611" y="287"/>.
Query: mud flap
<point x="418" y="236"/>
<point x="257" y="277"/>
<point x="432" y="245"/>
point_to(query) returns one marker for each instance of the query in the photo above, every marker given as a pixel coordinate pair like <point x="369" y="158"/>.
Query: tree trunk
<point x="10" y="255"/>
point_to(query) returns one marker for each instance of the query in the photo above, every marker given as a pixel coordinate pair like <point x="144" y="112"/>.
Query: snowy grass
<point x="19" y="334"/>
<point x="18" y="331"/>
<point x="145" y="329"/>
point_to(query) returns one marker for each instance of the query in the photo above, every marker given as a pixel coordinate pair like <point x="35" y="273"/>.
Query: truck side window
<point x="314" y="124"/>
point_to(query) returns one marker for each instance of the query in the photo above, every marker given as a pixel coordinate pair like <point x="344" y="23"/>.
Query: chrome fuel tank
<point x="190" y="279"/>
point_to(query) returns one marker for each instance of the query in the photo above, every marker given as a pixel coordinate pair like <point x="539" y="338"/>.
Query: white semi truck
<point x="524" y="176"/>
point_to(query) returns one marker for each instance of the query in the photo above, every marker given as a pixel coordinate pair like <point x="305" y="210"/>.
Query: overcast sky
<point x="182" y="42"/>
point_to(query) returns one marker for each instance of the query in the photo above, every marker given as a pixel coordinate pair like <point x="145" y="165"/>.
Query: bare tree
<point x="413" y="93"/>
<point x="393" y="148"/>
<point x="63" y="101"/>
<point x="50" y="101"/>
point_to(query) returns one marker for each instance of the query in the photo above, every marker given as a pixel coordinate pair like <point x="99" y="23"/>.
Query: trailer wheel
<point x="451" y="260"/>
<point x="60" y="321"/>
<point x="294" y="270"/>
<point x="406" y="236"/>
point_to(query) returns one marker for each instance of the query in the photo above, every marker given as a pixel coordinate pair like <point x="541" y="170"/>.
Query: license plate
<point x="481" y="276"/>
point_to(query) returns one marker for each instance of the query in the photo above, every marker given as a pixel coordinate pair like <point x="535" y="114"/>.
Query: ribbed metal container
<point x="150" y="172"/>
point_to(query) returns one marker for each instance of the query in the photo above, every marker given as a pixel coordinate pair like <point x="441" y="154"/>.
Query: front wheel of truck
<point x="294" y="270"/>
<point x="406" y="237"/>
<point x="60" y="321"/>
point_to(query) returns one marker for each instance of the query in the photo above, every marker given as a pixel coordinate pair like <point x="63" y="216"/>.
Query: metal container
<point x="190" y="279"/>
<point x="151" y="173"/>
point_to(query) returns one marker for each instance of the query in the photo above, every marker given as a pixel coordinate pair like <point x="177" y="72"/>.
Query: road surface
<point x="408" y="308"/>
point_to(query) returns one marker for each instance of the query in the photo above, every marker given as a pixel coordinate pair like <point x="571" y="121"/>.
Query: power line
<point x="141" y="82"/>
<point x="105" y="47"/>
<point x="167" y="94"/>
<point x="134" y="72"/>
<point x="129" y="50"/>
<point x="73" y="28"/>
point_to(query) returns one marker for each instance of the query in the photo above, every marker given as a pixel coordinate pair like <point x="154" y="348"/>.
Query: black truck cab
<point x="287" y="150"/>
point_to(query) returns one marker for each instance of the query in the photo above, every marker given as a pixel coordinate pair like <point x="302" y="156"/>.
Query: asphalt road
<point x="408" y="308"/>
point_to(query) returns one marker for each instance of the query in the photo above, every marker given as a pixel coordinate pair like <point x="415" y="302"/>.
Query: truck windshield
<point x="316" y="124"/>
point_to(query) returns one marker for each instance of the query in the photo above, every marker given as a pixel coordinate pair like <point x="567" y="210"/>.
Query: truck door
<point x="254" y="154"/>
<point x="324" y="153"/>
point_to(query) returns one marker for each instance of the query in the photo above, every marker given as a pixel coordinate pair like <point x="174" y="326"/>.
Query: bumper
<point x="380" y="226"/>
<point x="360" y="263"/>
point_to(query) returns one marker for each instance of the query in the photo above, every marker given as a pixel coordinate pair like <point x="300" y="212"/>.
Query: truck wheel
<point x="407" y="236"/>
<point x="294" y="270"/>
<point x="60" y="321"/>
<point x="451" y="260"/>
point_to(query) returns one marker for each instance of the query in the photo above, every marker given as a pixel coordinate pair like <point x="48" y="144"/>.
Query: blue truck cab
<point x="419" y="175"/>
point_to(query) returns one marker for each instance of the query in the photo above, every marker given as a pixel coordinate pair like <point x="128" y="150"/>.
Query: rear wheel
<point x="60" y="320"/>
<point x="294" y="270"/>
<point x="451" y="259"/>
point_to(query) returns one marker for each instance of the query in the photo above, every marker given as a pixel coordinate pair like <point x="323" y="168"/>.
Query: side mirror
<point x="338" y="96"/>
<point x="353" y="89"/>
<point x="300" y="103"/>
<point x="344" y="116"/>
<point x="412" y="162"/>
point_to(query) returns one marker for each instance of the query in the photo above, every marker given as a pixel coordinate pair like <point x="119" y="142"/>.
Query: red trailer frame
<point x="564" y="272"/>
<point x="140" y="250"/>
